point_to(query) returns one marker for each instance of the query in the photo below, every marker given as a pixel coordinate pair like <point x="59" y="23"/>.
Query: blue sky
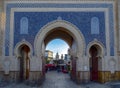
<point x="57" y="45"/>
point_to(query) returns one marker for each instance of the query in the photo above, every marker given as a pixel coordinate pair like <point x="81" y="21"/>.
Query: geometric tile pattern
<point x="79" y="19"/>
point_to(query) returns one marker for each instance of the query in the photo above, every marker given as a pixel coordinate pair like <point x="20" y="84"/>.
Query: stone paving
<point x="61" y="80"/>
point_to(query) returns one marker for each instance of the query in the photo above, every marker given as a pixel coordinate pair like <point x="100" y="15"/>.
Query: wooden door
<point x="94" y="70"/>
<point x="21" y="68"/>
<point x="24" y="63"/>
<point x="73" y="71"/>
<point x="27" y="67"/>
<point x="94" y="64"/>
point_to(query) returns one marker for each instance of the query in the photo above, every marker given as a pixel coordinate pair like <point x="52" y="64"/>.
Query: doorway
<point x="24" y="62"/>
<point x="94" y="63"/>
<point x="63" y="66"/>
<point x="63" y="30"/>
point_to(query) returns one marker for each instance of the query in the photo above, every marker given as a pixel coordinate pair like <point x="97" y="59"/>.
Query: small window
<point x="24" y="25"/>
<point x="94" y="25"/>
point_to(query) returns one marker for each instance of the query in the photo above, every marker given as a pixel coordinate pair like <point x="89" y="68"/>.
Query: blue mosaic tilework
<point x="38" y="19"/>
<point x="69" y="5"/>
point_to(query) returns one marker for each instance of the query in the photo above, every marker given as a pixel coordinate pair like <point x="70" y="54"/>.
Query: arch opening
<point x="58" y="45"/>
<point x="95" y="52"/>
<point x="24" y="62"/>
<point x="62" y="65"/>
<point x="64" y="30"/>
<point x="56" y="53"/>
<point x="60" y="33"/>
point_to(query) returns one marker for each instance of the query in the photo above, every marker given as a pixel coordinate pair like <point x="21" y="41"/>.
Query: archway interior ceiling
<point x="61" y="33"/>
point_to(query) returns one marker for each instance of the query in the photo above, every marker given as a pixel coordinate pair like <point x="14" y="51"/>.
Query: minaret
<point x="61" y="56"/>
<point x="57" y="56"/>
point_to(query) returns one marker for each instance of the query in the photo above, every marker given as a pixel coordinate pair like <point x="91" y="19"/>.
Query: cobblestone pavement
<point x="60" y="80"/>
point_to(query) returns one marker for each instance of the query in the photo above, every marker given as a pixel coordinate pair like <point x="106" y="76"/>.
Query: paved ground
<point x="60" y="80"/>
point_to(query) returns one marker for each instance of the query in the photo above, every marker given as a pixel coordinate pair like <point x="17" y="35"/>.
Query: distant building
<point x="66" y="55"/>
<point x="48" y="55"/>
<point x="67" y="58"/>
<point x="57" y="56"/>
<point x="62" y="56"/>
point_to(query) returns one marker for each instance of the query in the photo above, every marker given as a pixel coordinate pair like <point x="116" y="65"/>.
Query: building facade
<point x="48" y="55"/>
<point x="90" y="27"/>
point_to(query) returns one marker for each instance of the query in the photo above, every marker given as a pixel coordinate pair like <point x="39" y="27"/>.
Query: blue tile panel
<point x="80" y="19"/>
<point x="37" y="20"/>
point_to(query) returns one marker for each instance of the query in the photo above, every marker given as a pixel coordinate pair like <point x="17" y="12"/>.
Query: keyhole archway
<point x="67" y="27"/>
<point x="24" y="62"/>
<point x="61" y="33"/>
<point x="66" y="31"/>
<point x="95" y="62"/>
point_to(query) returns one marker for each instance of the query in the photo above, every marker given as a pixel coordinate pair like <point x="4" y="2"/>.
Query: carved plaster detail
<point x="76" y="33"/>
<point x="21" y="43"/>
<point x="96" y="42"/>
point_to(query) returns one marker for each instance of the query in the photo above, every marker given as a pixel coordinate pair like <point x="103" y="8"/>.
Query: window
<point x="24" y="25"/>
<point x="94" y="25"/>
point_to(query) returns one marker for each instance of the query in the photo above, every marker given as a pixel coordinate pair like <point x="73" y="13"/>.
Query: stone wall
<point x="1" y="26"/>
<point x="15" y="76"/>
<point x="119" y="22"/>
<point x="103" y="76"/>
<point x="119" y="12"/>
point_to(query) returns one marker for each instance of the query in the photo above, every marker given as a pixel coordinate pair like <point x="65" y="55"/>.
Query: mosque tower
<point x="57" y="56"/>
